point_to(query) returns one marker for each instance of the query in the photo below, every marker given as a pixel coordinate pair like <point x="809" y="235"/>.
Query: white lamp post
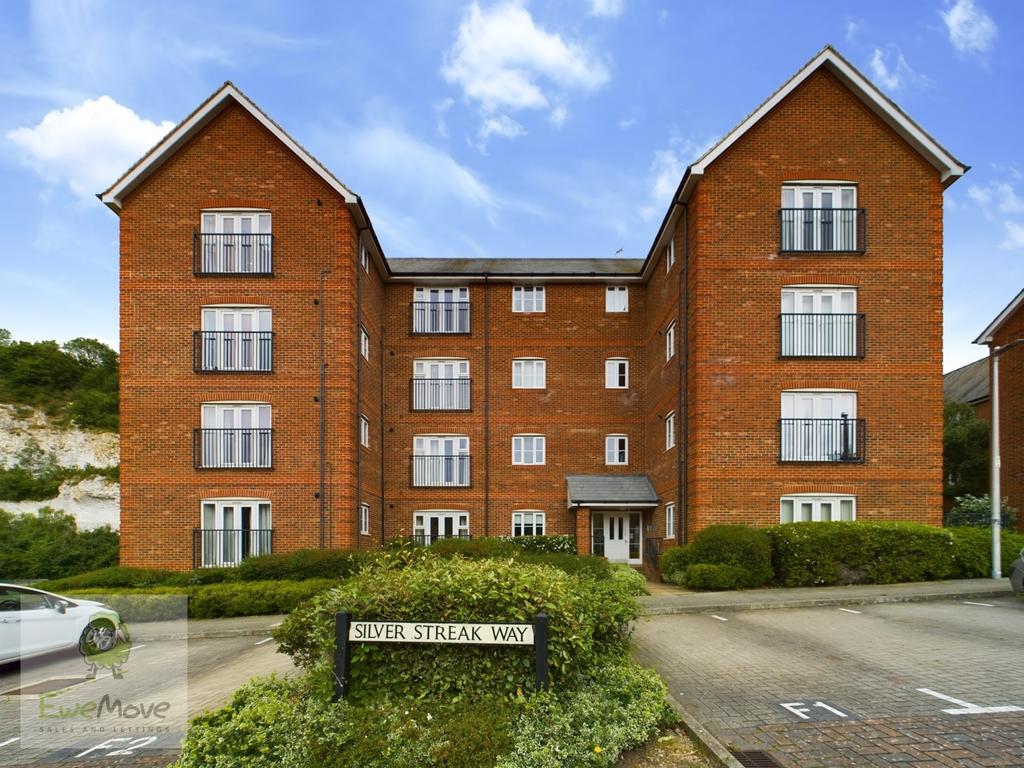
<point x="996" y="492"/>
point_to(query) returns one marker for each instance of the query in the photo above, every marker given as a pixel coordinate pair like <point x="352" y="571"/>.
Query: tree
<point x="5" y="337"/>
<point x="965" y="449"/>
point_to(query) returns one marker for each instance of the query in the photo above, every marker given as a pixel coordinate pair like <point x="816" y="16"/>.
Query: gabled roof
<point x="611" y="490"/>
<point x="967" y="384"/>
<point x="885" y="108"/>
<point x="224" y="96"/>
<point x="987" y="334"/>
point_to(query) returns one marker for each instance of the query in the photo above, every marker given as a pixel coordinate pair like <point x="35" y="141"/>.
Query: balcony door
<point x="819" y="322"/>
<point x="818" y="426"/>
<point x="236" y="435"/>
<point x="819" y="218"/>
<point x="429" y="527"/>
<point x="236" y="241"/>
<point x="236" y="339"/>
<point x="437" y="384"/>
<point x="441" y="310"/>
<point x="234" y="530"/>
<point x="440" y="460"/>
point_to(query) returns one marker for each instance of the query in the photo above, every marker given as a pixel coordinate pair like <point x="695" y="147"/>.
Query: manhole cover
<point x="46" y="686"/>
<point x="754" y="759"/>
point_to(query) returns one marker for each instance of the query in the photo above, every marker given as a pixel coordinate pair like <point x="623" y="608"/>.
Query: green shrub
<point x="976" y="511"/>
<point x="303" y="564"/>
<point x="748" y="549"/>
<point x="48" y="545"/>
<point x="809" y="554"/>
<point x="587" y="619"/>
<point x="117" y="576"/>
<point x="629" y="579"/>
<point x="482" y="547"/>
<point x="972" y="551"/>
<point x="673" y="563"/>
<point x="715" y="576"/>
<point x="575" y="565"/>
<point x="565" y="545"/>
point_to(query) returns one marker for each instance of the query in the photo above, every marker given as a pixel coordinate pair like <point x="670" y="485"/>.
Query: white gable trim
<point x="988" y="333"/>
<point x="192" y="125"/>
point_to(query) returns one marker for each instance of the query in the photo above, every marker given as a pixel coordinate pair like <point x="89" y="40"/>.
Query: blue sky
<point x="482" y="128"/>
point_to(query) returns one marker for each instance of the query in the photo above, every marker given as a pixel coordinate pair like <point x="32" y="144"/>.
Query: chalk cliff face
<point x="94" y="501"/>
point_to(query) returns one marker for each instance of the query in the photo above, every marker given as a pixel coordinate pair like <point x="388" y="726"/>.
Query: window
<point x="440" y="310"/>
<point x="234" y="435"/>
<point x="670" y="341"/>
<point x="364" y="258"/>
<point x="364" y="519"/>
<point x="430" y="525"/>
<point x="529" y="373"/>
<point x="233" y="529"/>
<point x="528" y="522"/>
<point x="819" y="322"/>
<point x="616" y="373"/>
<point x="528" y="449"/>
<point x="810" y="508"/>
<point x="670" y="521"/>
<point x="440" y="461"/>
<point x="616" y="449"/>
<point x="235" y="241"/>
<point x="820" y="426"/>
<point x="819" y="218"/>
<point x="440" y="384"/>
<point x="364" y="343"/>
<point x="616" y="299"/>
<point x="235" y="339"/>
<point x="670" y="430"/>
<point x="528" y="298"/>
<point x="670" y="254"/>
<point x="364" y="432"/>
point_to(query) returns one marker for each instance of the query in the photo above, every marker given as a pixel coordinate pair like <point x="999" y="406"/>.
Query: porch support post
<point x="583" y="530"/>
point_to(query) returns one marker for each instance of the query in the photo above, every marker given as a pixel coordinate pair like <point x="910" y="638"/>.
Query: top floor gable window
<point x="234" y="242"/>
<point x="528" y="298"/>
<point x="616" y="298"/>
<point x="821" y="218"/>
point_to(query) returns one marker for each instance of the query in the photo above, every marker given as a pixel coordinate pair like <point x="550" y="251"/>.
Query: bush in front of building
<point x="715" y="576"/>
<point x="588" y="620"/>
<point x="742" y="556"/>
<point x="48" y="545"/>
<point x="538" y="545"/>
<point x="972" y="551"/>
<point x="976" y="511"/>
<point x="475" y="548"/>
<point x="303" y="564"/>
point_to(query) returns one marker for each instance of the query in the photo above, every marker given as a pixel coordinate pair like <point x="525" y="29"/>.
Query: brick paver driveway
<point x="837" y="687"/>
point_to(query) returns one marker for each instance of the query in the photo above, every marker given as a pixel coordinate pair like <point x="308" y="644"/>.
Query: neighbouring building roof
<point x="623" y="490"/>
<point x="987" y="334"/>
<point x="967" y="384"/>
<point x="518" y="267"/>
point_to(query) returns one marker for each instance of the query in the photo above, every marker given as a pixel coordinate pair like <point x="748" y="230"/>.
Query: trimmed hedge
<point x="538" y="545"/>
<point x="741" y="556"/>
<point x="588" y="619"/>
<point x="715" y="576"/>
<point x="303" y="564"/>
<point x="972" y="551"/>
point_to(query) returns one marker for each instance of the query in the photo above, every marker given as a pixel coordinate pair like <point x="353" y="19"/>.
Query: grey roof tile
<point x="611" y="489"/>
<point x="540" y="267"/>
<point x="967" y="384"/>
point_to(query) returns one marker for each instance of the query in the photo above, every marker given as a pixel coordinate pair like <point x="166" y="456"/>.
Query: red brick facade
<point x="723" y="382"/>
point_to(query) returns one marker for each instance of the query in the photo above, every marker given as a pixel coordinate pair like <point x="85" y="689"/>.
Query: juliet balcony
<point x="437" y="471"/>
<point x="821" y="335"/>
<point x="223" y="253"/>
<point x="233" y="351"/>
<point x="233" y="448"/>
<point x="439" y="394"/>
<point x="822" y="230"/>
<point x="841" y="440"/>
<point x="439" y="317"/>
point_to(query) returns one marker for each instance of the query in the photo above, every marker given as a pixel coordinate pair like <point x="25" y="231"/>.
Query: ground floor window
<point x="233" y="529"/>
<point x="364" y="518"/>
<point x="807" y="508"/>
<point x="430" y="525"/>
<point x="528" y="523"/>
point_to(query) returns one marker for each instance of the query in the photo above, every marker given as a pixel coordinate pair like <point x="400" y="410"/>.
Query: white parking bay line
<point x="983" y="605"/>
<point x="10" y="741"/>
<point x="720" y="618"/>
<point x="136" y="647"/>
<point x="264" y="640"/>
<point x="850" y="610"/>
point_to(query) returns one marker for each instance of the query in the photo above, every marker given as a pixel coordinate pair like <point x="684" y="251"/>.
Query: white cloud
<point x="667" y="170"/>
<point x="503" y="60"/>
<point x="440" y="108"/>
<point x="1014" y="236"/>
<point x="89" y="145"/>
<point x="853" y="29"/>
<point x="896" y="75"/>
<point x="971" y="30"/>
<point x="607" y="8"/>
<point x="501" y="125"/>
<point x="626" y="123"/>
<point x="998" y="197"/>
<point x="558" y="116"/>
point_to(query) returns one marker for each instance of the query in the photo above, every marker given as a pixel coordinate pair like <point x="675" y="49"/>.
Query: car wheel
<point x="99" y="637"/>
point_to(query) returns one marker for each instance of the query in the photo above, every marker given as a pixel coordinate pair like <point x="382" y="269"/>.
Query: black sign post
<point x="433" y="632"/>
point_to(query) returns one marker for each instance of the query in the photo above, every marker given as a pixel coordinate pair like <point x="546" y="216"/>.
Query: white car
<point x="34" y="622"/>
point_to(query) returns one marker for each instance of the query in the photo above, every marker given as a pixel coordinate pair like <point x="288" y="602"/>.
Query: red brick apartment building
<point x="776" y="356"/>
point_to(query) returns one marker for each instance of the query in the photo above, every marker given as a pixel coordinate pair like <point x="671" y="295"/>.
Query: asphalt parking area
<point x="919" y="685"/>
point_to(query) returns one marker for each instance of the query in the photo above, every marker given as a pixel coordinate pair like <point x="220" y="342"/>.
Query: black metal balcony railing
<point x="218" y="253"/>
<point x="239" y="448"/>
<point x="821" y="335"/>
<point x="823" y="230"/>
<point x="213" y="548"/>
<point x="837" y="440"/>
<point x="426" y="539"/>
<point x="233" y="351"/>
<point x="440" y="316"/>
<point x="440" y="394"/>
<point x="431" y="471"/>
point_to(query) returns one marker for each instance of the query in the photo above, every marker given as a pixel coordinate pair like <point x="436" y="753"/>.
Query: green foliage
<point x="630" y="580"/>
<point x="746" y="553"/>
<point x="36" y="476"/>
<point x="49" y="545"/>
<point x="587" y="619"/>
<point x="480" y="547"/>
<point x="575" y="565"/>
<point x="617" y="707"/>
<point x="972" y="551"/>
<point x="565" y="545"/>
<point x="304" y="564"/>
<point x="115" y="577"/>
<point x="965" y="446"/>
<point x="78" y="380"/>
<point x="809" y="554"/>
<point x="977" y="511"/>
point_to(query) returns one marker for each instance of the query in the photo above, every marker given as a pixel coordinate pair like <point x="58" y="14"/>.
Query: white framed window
<point x="819" y="425"/>
<point x="529" y="373"/>
<point x="616" y="449"/>
<point x="616" y="373"/>
<point x="236" y="339"/>
<point x="364" y="431"/>
<point x="670" y="254"/>
<point x="236" y="241"/>
<point x="817" y="508"/>
<point x="440" y="384"/>
<point x="670" y="341"/>
<point x="819" y="321"/>
<point x="670" y="430"/>
<point x="233" y="529"/>
<point x="440" y="461"/>
<point x="430" y="525"/>
<point x="364" y="519"/>
<point x="364" y="258"/>
<point x="364" y="343"/>
<point x="440" y="310"/>
<point x="528" y="298"/>
<point x="819" y="217"/>
<point x="616" y="298"/>
<point x="670" y="520"/>
<point x="528" y="522"/>
<point x="235" y="435"/>
<point x="528" y="449"/>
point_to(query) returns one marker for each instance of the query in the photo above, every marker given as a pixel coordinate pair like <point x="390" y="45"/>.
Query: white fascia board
<point x="195" y="122"/>
<point x="987" y="335"/>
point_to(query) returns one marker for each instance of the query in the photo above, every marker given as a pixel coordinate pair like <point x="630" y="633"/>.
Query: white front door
<point x="622" y="537"/>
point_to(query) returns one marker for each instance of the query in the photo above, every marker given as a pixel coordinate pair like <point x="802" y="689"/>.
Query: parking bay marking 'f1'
<point x="966" y="707"/>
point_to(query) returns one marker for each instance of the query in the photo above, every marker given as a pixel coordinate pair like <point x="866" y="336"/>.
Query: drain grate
<point x="46" y="686"/>
<point x="754" y="759"/>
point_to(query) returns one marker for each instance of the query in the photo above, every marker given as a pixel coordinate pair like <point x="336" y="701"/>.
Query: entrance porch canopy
<point x="618" y="491"/>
